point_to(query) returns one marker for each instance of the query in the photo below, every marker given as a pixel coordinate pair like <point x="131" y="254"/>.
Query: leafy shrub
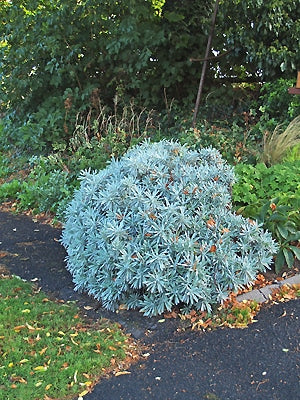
<point x="45" y="193"/>
<point x="10" y="190"/>
<point x="94" y="142"/>
<point x="43" y="190"/>
<point x="4" y="166"/>
<point x="230" y="140"/>
<point x="155" y="229"/>
<point x="283" y="222"/>
<point x="274" y="106"/>
<point x="275" y="101"/>
<point x="272" y="197"/>
<point x="48" y="192"/>
<point x="259" y="183"/>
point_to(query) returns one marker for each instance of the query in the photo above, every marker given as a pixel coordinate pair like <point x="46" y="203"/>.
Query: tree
<point x="263" y="35"/>
<point x="59" y="55"/>
<point x="60" y="58"/>
<point x="60" y="51"/>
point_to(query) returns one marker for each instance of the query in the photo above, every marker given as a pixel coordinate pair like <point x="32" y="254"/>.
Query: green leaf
<point x="283" y="231"/>
<point x="289" y="258"/>
<point x="294" y="237"/>
<point x="279" y="261"/>
<point x="240" y="210"/>
<point x="296" y="251"/>
<point x="277" y="217"/>
<point x="263" y="212"/>
<point x="173" y="16"/>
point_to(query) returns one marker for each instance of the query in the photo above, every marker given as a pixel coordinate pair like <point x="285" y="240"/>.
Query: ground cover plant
<point x="155" y="229"/>
<point x="47" y="350"/>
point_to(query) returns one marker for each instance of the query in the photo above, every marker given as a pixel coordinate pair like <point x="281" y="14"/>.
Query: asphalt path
<point x="261" y="362"/>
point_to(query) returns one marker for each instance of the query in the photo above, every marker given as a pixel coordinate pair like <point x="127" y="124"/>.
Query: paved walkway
<point x="258" y="363"/>
<point x="263" y="294"/>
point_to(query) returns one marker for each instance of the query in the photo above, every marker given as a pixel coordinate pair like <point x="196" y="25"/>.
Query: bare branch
<point x="212" y="57"/>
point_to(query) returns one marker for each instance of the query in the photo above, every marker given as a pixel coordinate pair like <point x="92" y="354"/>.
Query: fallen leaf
<point x="31" y="328"/>
<point x="43" y="350"/>
<point x="19" y="327"/>
<point x="40" y="368"/>
<point x="18" y="379"/>
<point x="73" y="341"/>
<point x="171" y="314"/>
<point x="283" y="314"/>
<point x="122" y="373"/>
<point x="83" y="393"/>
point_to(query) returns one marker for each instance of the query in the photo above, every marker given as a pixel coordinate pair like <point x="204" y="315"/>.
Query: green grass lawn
<point x="47" y="351"/>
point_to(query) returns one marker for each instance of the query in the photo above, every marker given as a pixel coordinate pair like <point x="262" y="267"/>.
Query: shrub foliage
<point x="58" y="57"/>
<point x="272" y="197"/>
<point x="155" y="229"/>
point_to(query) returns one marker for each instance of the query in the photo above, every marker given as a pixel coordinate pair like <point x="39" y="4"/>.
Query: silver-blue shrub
<point x="155" y="229"/>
